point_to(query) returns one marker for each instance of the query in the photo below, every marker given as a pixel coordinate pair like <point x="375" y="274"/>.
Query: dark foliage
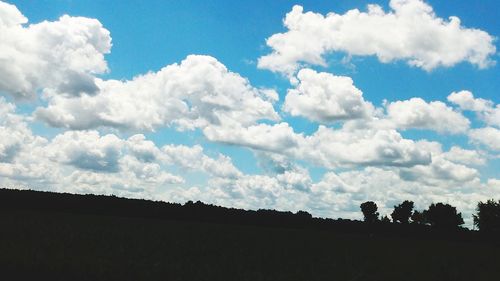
<point x="487" y="218"/>
<point x="385" y="219"/>
<point x="402" y="212"/>
<point x="50" y="236"/>
<point x="418" y="217"/>
<point x="369" y="210"/>
<point x="443" y="216"/>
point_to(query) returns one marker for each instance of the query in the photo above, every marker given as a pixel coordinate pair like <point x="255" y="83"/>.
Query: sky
<point x="288" y="105"/>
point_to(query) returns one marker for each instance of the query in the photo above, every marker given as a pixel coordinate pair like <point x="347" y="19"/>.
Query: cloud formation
<point x="486" y="109"/>
<point x="410" y="31"/>
<point x="63" y="55"/>
<point x="363" y="152"/>
<point x="325" y="98"/>
<point x="418" y="114"/>
<point x="197" y="93"/>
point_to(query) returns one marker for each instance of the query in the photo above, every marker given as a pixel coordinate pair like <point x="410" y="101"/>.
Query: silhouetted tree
<point x="402" y="212"/>
<point x="487" y="218"/>
<point x="369" y="210"/>
<point x="443" y="216"/>
<point x="303" y="215"/>
<point x="385" y="219"/>
<point x="418" y="217"/>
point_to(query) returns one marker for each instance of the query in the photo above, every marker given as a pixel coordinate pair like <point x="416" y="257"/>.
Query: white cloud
<point x="195" y="159"/>
<point x="343" y="147"/>
<point x="196" y="93"/>
<point x="489" y="136"/>
<point x="327" y="147"/>
<point x="485" y="108"/>
<point x="274" y="138"/>
<point x="366" y="156"/>
<point x="87" y="150"/>
<point x="447" y="169"/>
<point x="436" y="115"/>
<point x="143" y="149"/>
<point x="12" y="132"/>
<point x="440" y="172"/>
<point x="464" y="156"/>
<point x="466" y="101"/>
<point x="410" y="32"/>
<point x="62" y="55"/>
<point x="326" y="98"/>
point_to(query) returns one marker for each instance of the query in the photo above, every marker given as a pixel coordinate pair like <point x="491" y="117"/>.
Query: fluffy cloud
<point x="12" y="131"/>
<point x="465" y="156"/>
<point x="489" y="136"/>
<point x="344" y="147"/>
<point x="484" y="108"/>
<point x="365" y="157"/>
<point x="440" y="172"/>
<point x="416" y="113"/>
<point x="466" y="101"/>
<point x="62" y="55"/>
<point x="326" y="98"/>
<point x="87" y="150"/>
<point x="143" y="149"/>
<point x="196" y="93"/>
<point x="193" y="158"/>
<point x="327" y="147"/>
<point x="410" y="32"/>
<point x="275" y="138"/>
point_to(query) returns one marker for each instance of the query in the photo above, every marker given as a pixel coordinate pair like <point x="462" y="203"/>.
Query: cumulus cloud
<point x="194" y="158"/>
<point x="62" y="55"/>
<point x="486" y="109"/>
<point x="488" y="136"/>
<point x="198" y="92"/>
<point x="87" y="150"/>
<point x="326" y="98"/>
<point x="440" y="172"/>
<point x="12" y="131"/>
<point x="365" y="157"/>
<point x="410" y="31"/>
<point x="436" y="115"/>
<point x="18" y="145"/>
<point x="366" y="147"/>
<point x="465" y="156"/>
<point x="274" y="138"/>
<point x="447" y="169"/>
<point x="143" y="149"/>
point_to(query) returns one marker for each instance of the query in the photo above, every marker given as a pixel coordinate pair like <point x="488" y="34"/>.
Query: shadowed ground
<point x="37" y="244"/>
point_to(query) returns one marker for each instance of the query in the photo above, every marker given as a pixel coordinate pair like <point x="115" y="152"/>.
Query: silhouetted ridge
<point x="198" y="211"/>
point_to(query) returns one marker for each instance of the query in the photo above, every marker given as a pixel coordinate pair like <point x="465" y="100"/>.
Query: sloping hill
<point x="86" y="237"/>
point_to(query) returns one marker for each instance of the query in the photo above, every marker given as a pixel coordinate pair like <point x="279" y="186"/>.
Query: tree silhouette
<point x="418" y="217"/>
<point x="369" y="210"/>
<point x="385" y="219"/>
<point x="487" y="218"/>
<point x="443" y="216"/>
<point x="402" y="212"/>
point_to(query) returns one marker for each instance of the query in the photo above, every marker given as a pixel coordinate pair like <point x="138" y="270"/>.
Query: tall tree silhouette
<point x="418" y="217"/>
<point x="443" y="216"/>
<point x="402" y="212"/>
<point x="369" y="210"/>
<point x="487" y="218"/>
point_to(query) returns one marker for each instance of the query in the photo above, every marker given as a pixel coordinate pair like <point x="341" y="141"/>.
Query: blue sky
<point x="420" y="116"/>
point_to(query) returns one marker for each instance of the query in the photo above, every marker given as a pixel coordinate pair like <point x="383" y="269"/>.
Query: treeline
<point x="428" y="223"/>
<point x="438" y="216"/>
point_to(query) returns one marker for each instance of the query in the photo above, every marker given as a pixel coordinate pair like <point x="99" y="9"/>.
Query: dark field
<point x="49" y="245"/>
